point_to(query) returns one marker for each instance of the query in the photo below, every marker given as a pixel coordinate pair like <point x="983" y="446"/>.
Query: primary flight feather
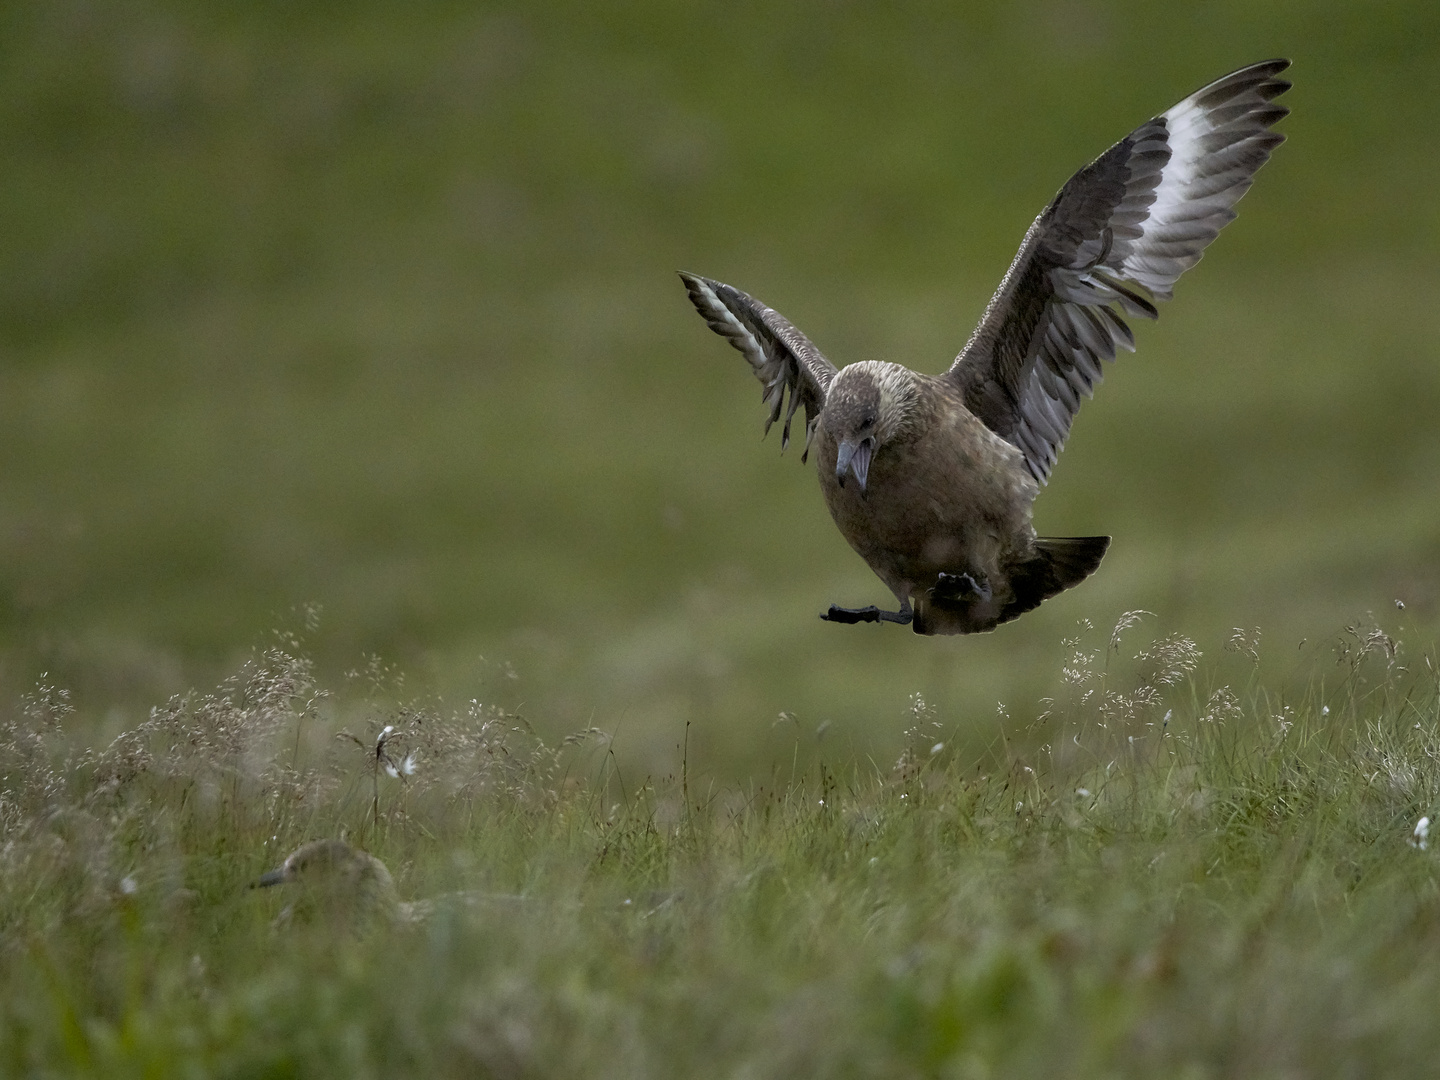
<point x="931" y="478"/>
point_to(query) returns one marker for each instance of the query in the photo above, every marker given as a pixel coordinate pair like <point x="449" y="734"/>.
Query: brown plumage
<point x="931" y="478"/>
<point x="351" y="891"/>
<point x="339" y="885"/>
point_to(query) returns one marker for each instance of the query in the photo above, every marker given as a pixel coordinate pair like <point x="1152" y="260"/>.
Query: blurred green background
<point x="372" y="306"/>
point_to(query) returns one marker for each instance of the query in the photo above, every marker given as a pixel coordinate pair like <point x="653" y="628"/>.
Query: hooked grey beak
<point x="273" y="877"/>
<point x="854" y="457"/>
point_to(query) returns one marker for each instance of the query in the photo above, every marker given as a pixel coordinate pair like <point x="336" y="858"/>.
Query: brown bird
<point x="350" y="890"/>
<point x="931" y="478"/>
<point x="339" y="885"/>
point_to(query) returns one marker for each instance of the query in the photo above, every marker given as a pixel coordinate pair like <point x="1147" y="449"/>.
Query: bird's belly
<point x="948" y="505"/>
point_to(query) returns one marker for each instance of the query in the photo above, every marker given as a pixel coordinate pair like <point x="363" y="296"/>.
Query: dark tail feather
<point x="1060" y="562"/>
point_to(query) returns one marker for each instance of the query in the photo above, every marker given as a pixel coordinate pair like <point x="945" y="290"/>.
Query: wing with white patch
<point x="1119" y="233"/>
<point x="783" y="358"/>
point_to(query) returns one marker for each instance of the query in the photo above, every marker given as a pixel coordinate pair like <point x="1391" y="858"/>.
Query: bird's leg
<point x="869" y="614"/>
<point x="961" y="586"/>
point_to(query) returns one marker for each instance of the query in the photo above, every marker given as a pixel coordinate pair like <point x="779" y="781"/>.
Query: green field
<point x="1168" y="873"/>
<point x="353" y="330"/>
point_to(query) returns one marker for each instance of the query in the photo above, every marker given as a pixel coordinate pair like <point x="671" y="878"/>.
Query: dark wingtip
<point x="273" y="877"/>
<point x="695" y="282"/>
<point x="1267" y="69"/>
<point x="695" y="287"/>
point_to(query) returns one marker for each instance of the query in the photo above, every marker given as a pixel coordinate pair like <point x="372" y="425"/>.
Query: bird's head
<point x="318" y="860"/>
<point x="870" y="405"/>
<point x="338" y="883"/>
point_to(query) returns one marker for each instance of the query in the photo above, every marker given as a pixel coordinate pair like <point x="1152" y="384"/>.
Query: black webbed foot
<point x="867" y="614"/>
<point x="960" y="586"/>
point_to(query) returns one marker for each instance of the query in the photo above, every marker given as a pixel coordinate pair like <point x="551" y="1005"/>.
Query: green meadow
<point x="1169" y="871"/>
<point x="345" y="381"/>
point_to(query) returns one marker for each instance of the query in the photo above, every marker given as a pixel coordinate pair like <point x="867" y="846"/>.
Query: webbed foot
<point x="868" y="614"/>
<point x="960" y="586"/>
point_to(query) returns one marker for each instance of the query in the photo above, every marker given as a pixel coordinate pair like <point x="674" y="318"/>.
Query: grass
<point x="380" y="312"/>
<point x="1164" y="870"/>
<point x="377" y="310"/>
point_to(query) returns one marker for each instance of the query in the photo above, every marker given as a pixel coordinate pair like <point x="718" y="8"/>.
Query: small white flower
<point x="936" y="748"/>
<point x="1324" y="710"/>
<point x="1083" y="792"/>
<point x="1420" y="838"/>
<point x="129" y="886"/>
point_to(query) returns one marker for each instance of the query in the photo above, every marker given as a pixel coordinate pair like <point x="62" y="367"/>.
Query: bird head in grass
<point x="336" y="884"/>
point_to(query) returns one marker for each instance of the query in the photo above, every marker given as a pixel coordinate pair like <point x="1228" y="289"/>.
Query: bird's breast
<point x="954" y="491"/>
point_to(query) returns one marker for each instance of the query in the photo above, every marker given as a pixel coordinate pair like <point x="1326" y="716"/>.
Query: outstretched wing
<point x="783" y="358"/>
<point x="1120" y="232"/>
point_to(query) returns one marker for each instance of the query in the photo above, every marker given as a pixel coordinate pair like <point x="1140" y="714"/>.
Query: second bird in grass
<point x="345" y="889"/>
<point x="339" y="885"/>
<point x="931" y="478"/>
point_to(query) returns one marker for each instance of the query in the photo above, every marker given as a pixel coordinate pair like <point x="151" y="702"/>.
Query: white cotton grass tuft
<point x="399" y="769"/>
<point x="1420" y="838"/>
